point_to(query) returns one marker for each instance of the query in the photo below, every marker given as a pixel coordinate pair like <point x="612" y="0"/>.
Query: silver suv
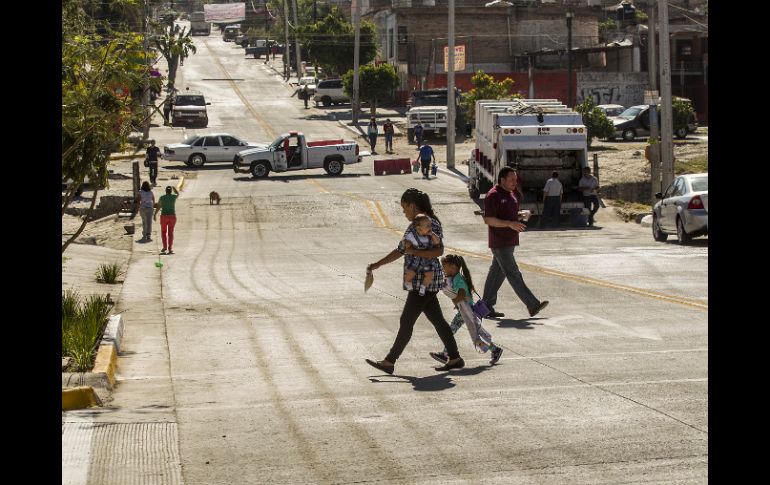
<point x="190" y="109"/>
<point x="329" y="92"/>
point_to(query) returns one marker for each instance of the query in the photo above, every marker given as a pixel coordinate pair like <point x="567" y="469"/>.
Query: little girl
<point x="458" y="288"/>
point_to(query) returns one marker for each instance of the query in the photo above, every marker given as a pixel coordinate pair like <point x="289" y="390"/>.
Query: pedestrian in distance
<point x="371" y="131"/>
<point x="459" y="288"/>
<point x="425" y="156"/>
<point x="146" y="201"/>
<point x="305" y="95"/>
<point x="168" y="105"/>
<point x="167" y="207"/>
<point x="419" y="132"/>
<point x="387" y="128"/>
<point x="413" y="203"/>
<point x="151" y="161"/>
<point x="590" y="186"/>
<point x="552" y="194"/>
<point x="501" y="215"/>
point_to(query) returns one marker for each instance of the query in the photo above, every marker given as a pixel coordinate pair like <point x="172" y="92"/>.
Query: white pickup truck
<point x="291" y="151"/>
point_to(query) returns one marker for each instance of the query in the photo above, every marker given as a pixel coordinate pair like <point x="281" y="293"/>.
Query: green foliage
<point x="641" y="15"/>
<point x="695" y="165"/>
<point x="70" y="300"/>
<point x="607" y="25"/>
<point x="485" y="87"/>
<point x="109" y="273"/>
<point x="596" y="122"/>
<point x="330" y="43"/>
<point x="174" y="44"/>
<point x="375" y="83"/>
<point x="682" y="111"/>
<point x="82" y="328"/>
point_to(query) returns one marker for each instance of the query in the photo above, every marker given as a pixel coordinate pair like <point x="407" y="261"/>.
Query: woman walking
<point x="371" y="130"/>
<point x="146" y="204"/>
<point x="413" y="203"/>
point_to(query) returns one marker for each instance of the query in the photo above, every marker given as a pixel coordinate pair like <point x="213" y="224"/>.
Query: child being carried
<point x="423" y="239"/>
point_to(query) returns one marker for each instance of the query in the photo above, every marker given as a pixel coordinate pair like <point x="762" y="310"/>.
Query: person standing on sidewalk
<point x="146" y="203"/>
<point x="425" y="156"/>
<point x="371" y="130"/>
<point x="414" y="202"/>
<point x="501" y="214"/>
<point x="305" y="95"/>
<point x="589" y="185"/>
<point x="387" y="128"/>
<point x="419" y="131"/>
<point x="168" y="105"/>
<point x="167" y="205"/>
<point x="153" y="153"/>
<point x="552" y="193"/>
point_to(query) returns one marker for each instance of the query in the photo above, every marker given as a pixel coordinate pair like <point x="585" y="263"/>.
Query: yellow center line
<point x="262" y="122"/>
<point x="320" y="187"/>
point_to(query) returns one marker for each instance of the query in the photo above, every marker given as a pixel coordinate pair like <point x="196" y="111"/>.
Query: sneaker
<point x="149" y="239"/>
<point x="170" y="251"/>
<point x="459" y="363"/>
<point x="163" y="251"/>
<point x="440" y="356"/>
<point x="381" y="365"/>
<point x="495" y="314"/>
<point x="538" y="309"/>
<point x="496" y="355"/>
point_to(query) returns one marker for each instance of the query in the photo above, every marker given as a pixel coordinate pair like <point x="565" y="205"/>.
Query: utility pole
<point x="315" y="12"/>
<point x="652" y="68"/>
<point x="287" y="60"/>
<point x="356" y="48"/>
<point x="569" y="15"/>
<point x="450" y="86"/>
<point x="296" y="44"/>
<point x="146" y="91"/>
<point x="667" y="126"/>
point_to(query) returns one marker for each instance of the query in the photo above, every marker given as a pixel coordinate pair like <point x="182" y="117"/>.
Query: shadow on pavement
<point x="217" y="166"/>
<point x="526" y="324"/>
<point x="437" y="382"/>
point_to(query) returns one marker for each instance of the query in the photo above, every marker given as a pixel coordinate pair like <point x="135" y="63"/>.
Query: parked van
<point x="231" y="32"/>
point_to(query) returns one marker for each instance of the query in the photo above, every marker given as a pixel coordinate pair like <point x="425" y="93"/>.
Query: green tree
<point x="375" y="83"/>
<point x="330" y="43"/>
<point x="175" y="45"/>
<point x="98" y="75"/>
<point x="682" y="112"/>
<point x="596" y="122"/>
<point x="485" y="87"/>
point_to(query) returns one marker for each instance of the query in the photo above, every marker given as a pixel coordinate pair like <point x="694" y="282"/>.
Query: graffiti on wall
<point x="622" y="88"/>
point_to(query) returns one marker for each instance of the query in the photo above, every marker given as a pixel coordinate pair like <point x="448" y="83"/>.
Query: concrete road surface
<point x="244" y="355"/>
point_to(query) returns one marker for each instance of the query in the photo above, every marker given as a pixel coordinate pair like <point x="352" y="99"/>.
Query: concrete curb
<point x="79" y="398"/>
<point x="103" y="375"/>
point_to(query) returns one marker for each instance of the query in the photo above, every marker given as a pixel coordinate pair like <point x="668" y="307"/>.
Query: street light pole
<point x="287" y="61"/>
<point x="569" y="15"/>
<point x="450" y="85"/>
<point x="146" y="93"/>
<point x="296" y="44"/>
<point x="356" y="48"/>
<point x="667" y="126"/>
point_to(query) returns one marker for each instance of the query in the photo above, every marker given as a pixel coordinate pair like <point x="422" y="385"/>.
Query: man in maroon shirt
<point x="501" y="214"/>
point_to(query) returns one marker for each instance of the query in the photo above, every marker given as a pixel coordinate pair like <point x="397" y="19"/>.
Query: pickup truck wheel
<point x="410" y="135"/>
<point x="326" y="101"/>
<point x="657" y="233"/>
<point x="629" y="135"/>
<point x="260" y="170"/>
<point x="334" y="166"/>
<point x="197" y="160"/>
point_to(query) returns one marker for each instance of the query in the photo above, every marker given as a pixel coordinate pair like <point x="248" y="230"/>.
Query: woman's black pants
<point x="415" y="305"/>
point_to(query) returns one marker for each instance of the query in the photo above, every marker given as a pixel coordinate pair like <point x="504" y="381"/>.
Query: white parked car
<point x="329" y="92"/>
<point x="196" y="150"/>
<point x="683" y="209"/>
<point x="311" y="83"/>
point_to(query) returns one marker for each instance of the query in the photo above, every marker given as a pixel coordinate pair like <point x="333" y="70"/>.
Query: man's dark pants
<point x="591" y="202"/>
<point x="551" y="209"/>
<point x="153" y="172"/>
<point x="425" y="167"/>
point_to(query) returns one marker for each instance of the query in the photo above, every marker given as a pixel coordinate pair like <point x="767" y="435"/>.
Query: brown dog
<point x="213" y="196"/>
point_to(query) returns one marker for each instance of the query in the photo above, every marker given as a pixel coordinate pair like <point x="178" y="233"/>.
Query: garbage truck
<point x="535" y="136"/>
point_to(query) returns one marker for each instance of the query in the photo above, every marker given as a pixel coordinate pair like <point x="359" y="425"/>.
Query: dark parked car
<point x="683" y="209"/>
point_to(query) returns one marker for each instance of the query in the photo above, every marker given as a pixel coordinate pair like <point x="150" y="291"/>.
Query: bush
<point x="682" y="110"/>
<point x="597" y="123"/>
<point x="82" y="326"/>
<point x="109" y="273"/>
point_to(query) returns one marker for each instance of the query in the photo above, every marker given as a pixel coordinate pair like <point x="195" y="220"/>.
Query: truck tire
<point x="259" y="170"/>
<point x="326" y="101"/>
<point x="197" y="160"/>
<point x="334" y="166"/>
<point x="410" y="135"/>
<point x="657" y="233"/>
<point x="629" y="135"/>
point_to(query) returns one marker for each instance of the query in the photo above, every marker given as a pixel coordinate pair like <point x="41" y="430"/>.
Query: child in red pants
<point x="167" y="207"/>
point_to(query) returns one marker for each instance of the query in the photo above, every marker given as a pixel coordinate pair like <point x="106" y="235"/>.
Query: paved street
<point x="244" y="356"/>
